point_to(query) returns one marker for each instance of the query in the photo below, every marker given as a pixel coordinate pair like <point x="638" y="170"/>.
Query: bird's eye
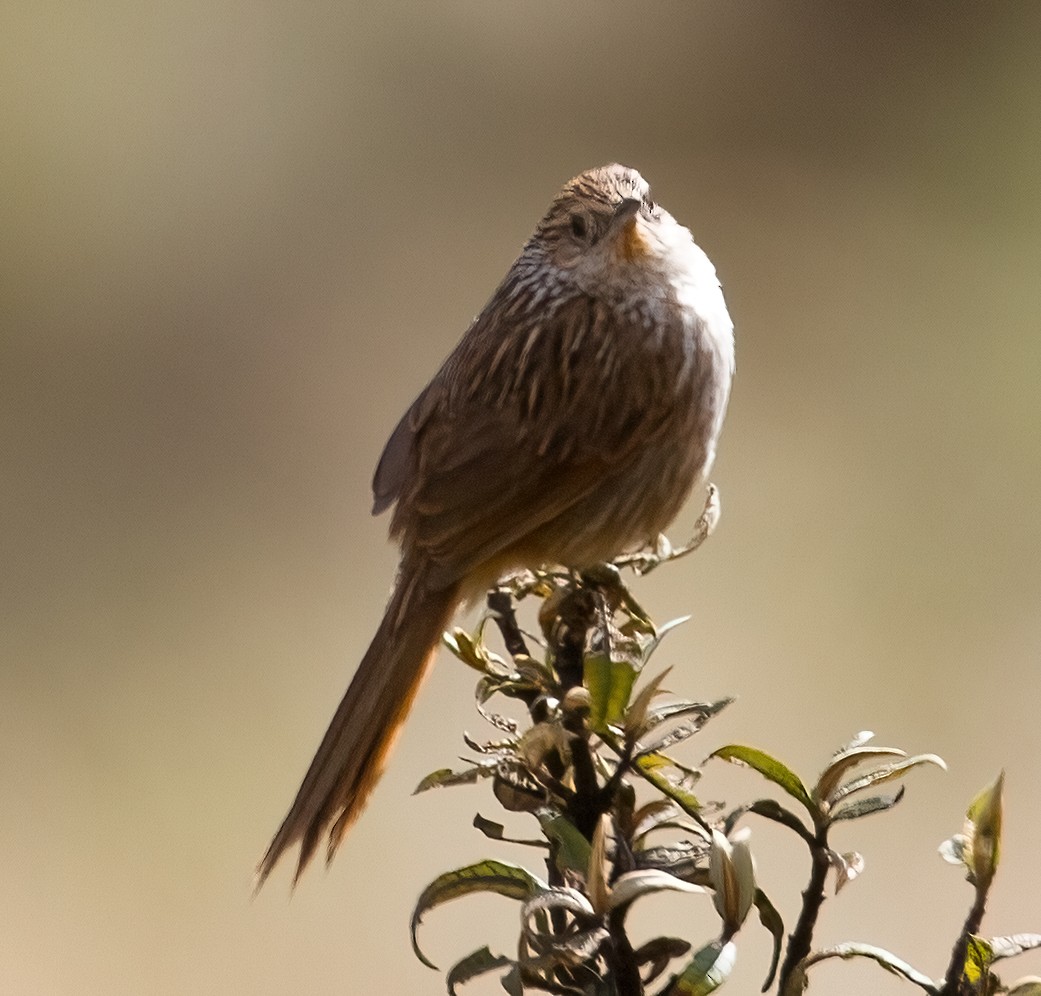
<point x="578" y="226"/>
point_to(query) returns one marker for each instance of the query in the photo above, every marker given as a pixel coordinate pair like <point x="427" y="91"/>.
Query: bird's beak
<point x="628" y="241"/>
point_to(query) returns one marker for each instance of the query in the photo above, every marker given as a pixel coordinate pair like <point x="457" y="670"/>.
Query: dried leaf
<point x="649" y="816"/>
<point x="865" y="807"/>
<point x="885" y="773"/>
<point x="846" y="760"/>
<point x="684" y="859"/>
<point x="847" y="867"/>
<point x="596" y="874"/>
<point x="889" y="961"/>
<point x="1013" y="944"/>
<point x="636" y="716"/>
<point x="689" y="717"/>
<point x="632" y="885"/>
<point x="516" y="791"/>
<point x="732" y="874"/>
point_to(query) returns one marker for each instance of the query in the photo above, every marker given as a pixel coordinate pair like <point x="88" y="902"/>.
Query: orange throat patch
<point x="630" y="243"/>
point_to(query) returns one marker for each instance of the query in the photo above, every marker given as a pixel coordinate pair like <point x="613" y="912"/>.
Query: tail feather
<point x="366" y="724"/>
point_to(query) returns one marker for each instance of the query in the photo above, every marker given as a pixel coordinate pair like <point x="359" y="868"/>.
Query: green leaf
<point x="770" y="768"/>
<point x="474" y="964"/>
<point x="985" y="817"/>
<point x="472" y="652"/>
<point x="978" y="959"/>
<point x="652" y="767"/>
<point x="499" y="877"/>
<point x="771" y="920"/>
<point x="707" y="971"/>
<point x="571" y="851"/>
<point x="610" y="683"/>
<point x="445" y="777"/>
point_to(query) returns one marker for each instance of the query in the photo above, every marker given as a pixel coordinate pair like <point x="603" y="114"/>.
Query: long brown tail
<point x="354" y="750"/>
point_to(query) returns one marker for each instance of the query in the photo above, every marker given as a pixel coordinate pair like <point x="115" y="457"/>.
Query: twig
<point x="955" y="970"/>
<point x="645" y="561"/>
<point x="500" y="603"/>
<point x="800" y="939"/>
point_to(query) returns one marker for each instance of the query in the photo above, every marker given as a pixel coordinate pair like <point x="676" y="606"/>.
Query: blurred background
<point x="237" y="238"/>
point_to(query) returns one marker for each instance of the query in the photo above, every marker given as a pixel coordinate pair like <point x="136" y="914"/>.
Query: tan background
<point x="236" y="240"/>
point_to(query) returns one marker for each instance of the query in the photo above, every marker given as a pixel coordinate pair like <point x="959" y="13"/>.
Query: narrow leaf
<point x="847" y="867"/>
<point x="684" y="859"/>
<point x="632" y="885"/>
<point x="652" y="767"/>
<point x="571" y="851"/>
<point x="985" y="817"/>
<point x="846" y="760"/>
<point x="610" y="683"/>
<point x="676" y="721"/>
<point x="889" y="961"/>
<point x="865" y="807"/>
<point x="1029" y="985"/>
<point x="496" y="831"/>
<point x="770" y="809"/>
<point x="485" y="876"/>
<point x="597" y="871"/>
<point x="707" y="971"/>
<point x="474" y="964"/>
<point x="636" y="715"/>
<point x="445" y="777"/>
<point x="512" y="983"/>
<point x="978" y="958"/>
<point x="1013" y="944"/>
<point x="770" y="768"/>
<point x="657" y="953"/>
<point x="885" y="773"/>
<point x="771" y="920"/>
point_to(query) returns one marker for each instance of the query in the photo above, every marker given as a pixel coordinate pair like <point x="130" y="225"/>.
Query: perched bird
<point x="569" y="425"/>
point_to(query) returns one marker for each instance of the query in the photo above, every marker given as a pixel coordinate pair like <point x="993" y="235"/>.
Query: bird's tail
<point x="355" y="748"/>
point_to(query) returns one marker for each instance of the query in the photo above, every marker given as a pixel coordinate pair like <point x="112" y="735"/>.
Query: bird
<point x="569" y="425"/>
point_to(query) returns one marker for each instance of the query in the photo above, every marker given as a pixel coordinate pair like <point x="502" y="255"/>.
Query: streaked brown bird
<point x="568" y="426"/>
